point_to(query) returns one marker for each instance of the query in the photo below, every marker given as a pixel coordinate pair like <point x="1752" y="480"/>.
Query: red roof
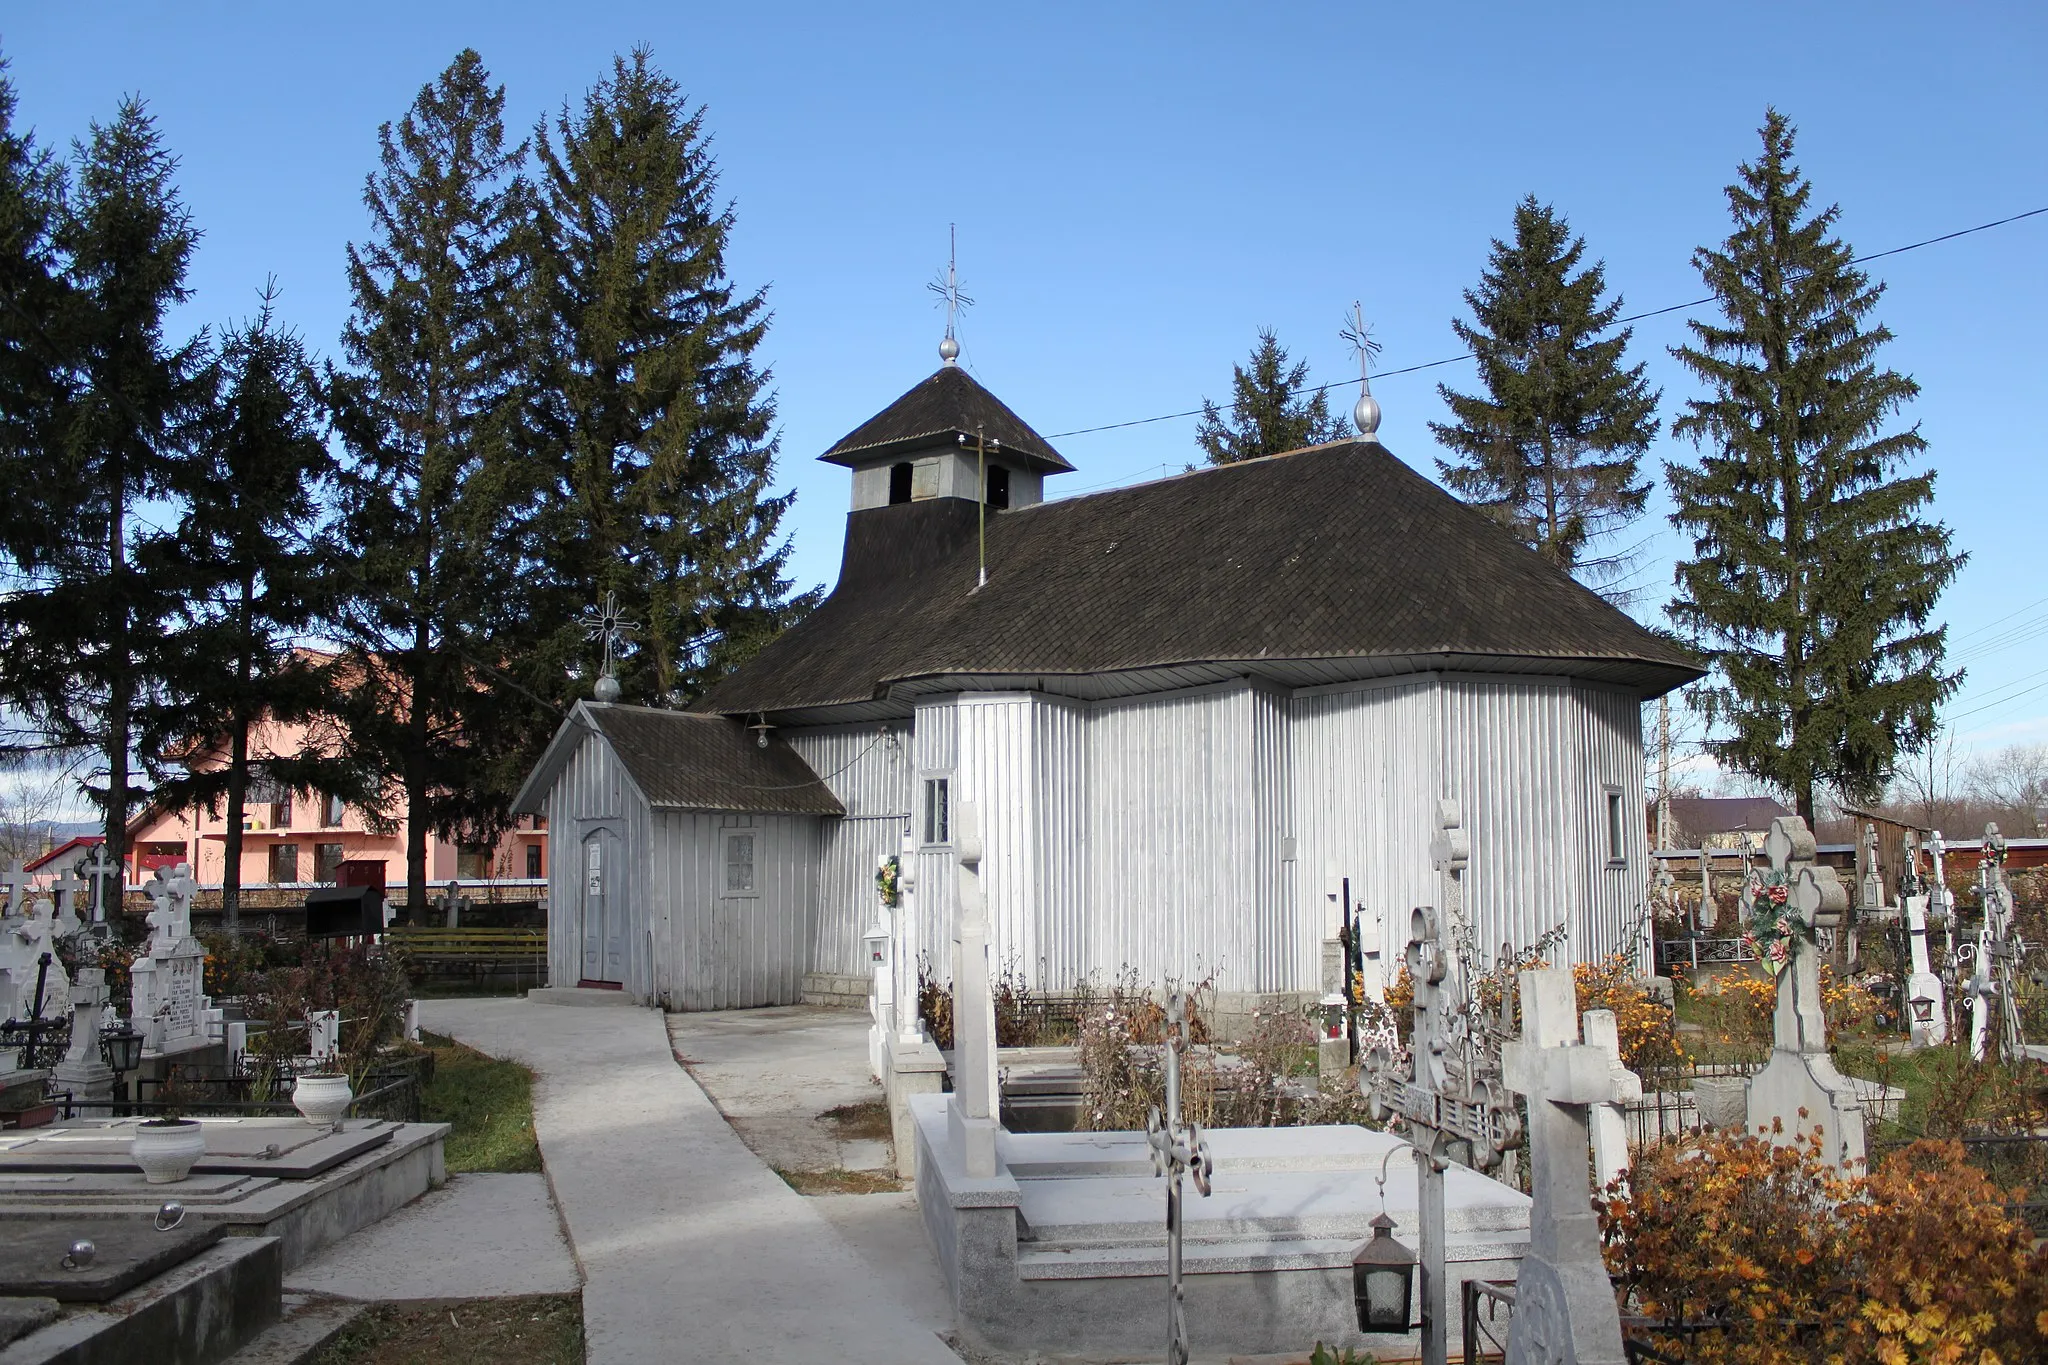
<point x="76" y="842"/>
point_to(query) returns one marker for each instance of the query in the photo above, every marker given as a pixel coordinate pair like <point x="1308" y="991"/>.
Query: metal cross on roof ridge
<point x="606" y="624"/>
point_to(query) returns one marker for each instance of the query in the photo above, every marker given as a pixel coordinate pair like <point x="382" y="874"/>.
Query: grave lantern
<point x="1382" y="1276"/>
<point x="877" y="941"/>
<point x="123" y="1047"/>
<point x="1923" y="1009"/>
<point x="1332" y="1006"/>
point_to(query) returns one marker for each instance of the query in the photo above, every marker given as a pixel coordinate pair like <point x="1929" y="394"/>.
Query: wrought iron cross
<point x="1177" y="1149"/>
<point x="947" y="287"/>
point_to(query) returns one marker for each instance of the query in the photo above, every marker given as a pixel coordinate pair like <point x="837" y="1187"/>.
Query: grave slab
<point x="478" y="1236"/>
<point x="128" y="1251"/>
<point x="284" y="1148"/>
<point x="20" y="1316"/>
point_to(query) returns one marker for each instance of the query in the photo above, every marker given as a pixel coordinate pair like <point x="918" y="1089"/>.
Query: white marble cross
<point x="65" y="889"/>
<point x="1564" y="1302"/>
<point x="172" y="917"/>
<point x="17" y="883"/>
<point x="1926" y="1000"/>
<point x="1609" y="1127"/>
<point x="97" y="873"/>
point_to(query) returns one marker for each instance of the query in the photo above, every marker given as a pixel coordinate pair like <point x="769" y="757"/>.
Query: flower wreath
<point x="1772" y="925"/>
<point x="888" y="883"/>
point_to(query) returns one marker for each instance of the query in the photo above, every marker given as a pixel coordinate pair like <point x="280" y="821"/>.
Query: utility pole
<point x="1664" y="772"/>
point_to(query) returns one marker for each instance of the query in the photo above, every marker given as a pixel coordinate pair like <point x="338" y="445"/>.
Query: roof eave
<point x="852" y="457"/>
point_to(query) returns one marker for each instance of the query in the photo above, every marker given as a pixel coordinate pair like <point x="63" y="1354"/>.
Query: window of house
<point x="533" y="860"/>
<point x="1617" y="827"/>
<point x="739" y="863"/>
<point x="284" y="863"/>
<point x="899" y="482"/>
<point x="473" y="862"/>
<point x="333" y="809"/>
<point x="998" y="486"/>
<point x="938" y="816"/>
<point x="282" y="817"/>
<point x="327" y="861"/>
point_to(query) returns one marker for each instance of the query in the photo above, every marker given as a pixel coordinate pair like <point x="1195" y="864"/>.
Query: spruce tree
<point x="250" y="581"/>
<point x="1552" y="448"/>
<point x="82" y="631"/>
<point x="664" y="421"/>
<point x="1266" y="417"/>
<point x="426" y="411"/>
<point x="1814" y="572"/>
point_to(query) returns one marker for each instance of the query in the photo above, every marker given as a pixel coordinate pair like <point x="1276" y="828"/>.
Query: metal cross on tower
<point x="947" y="287"/>
<point x="1177" y="1149"/>
<point x="608" y="625"/>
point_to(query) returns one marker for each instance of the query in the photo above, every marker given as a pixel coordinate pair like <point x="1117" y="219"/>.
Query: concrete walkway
<point x="479" y="1236"/>
<point x="691" y="1248"/>
<point x="774" y="1072"/>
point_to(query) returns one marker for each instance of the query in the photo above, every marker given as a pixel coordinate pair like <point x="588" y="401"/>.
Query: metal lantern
<point x="1382" y="1279"/>
<point x="123" y="1048"/>
<point x="1332" y="1006"/>
<point x="877" y="942"/>
<point x="1923" y="1009"/>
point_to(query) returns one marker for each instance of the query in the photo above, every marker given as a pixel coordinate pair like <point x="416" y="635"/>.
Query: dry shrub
<point x="1649" y="1033"/>
<point x="1781" y="1256"/>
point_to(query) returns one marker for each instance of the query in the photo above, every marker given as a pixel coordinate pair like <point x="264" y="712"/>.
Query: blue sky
<point x="1139" y="189"/>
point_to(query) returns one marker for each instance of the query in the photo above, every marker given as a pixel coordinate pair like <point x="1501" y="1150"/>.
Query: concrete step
<point x="309" y="1322"/>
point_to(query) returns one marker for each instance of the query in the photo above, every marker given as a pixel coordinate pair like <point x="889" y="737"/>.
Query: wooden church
<point x="1179" y="708"/>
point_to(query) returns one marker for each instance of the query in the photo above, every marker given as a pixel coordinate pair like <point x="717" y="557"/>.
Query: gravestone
<point x="1926" y="1000"/>
<point x="169" y="979"/>
<point x="29" y="961"/>
<point x="65" y="892"/>
<point x="1610" y="1129"/>
<point x="1565" y="1312"/>
<point x="973" y="1110"/>
<point x="102" y="883"/>
<point x="84" y="1073"/>
<point x="1799" y="1090"/>
<point x="17" y="883"/>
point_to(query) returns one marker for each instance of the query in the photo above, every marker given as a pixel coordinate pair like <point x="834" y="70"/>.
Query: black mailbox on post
<point x="345" y="911"/>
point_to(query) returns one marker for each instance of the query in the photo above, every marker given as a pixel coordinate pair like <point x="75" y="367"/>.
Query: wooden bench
<point x="470" y="947"/>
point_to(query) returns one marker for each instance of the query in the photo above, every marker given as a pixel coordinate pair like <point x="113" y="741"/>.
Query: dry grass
<point x="841" y="1182"/>
<point x="540" y="1329"/>
<point x="868" y="1119"/>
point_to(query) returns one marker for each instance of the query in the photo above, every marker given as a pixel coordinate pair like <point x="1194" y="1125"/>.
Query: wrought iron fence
<point x="38" y="1044"/>
<point x="397" y="1100"/>
<point x="1484" y="1325"/>
<point x="1693" y="953"/>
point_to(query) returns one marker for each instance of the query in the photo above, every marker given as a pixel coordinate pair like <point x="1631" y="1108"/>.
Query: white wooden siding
<point x="735" y="951"/>
<point x="869" y="768"/>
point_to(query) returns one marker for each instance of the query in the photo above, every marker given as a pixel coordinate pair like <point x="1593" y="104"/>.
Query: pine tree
<point x="82" y="632"/>
<point x="1552" y="449"/>
<point x="426" y="411"/>
<point x="250" y="581"/>
<point x="1814" y="573"/>
<point x="665" y="422"/>
<point x="1266" y="417"/>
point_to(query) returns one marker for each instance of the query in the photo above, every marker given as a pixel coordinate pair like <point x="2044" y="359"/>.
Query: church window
<point x="739" y="863"/>
<point x="899" y="483"/>
<point x="1617" y="827"/>
<point x="938" y="827"/>
<point x="998" y="486"/>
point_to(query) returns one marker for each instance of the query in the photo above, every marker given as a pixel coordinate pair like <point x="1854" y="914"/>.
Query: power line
<point x="1618" y="322"/>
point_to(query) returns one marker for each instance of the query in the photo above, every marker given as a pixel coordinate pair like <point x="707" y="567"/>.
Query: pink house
<point x="309" y="838"/>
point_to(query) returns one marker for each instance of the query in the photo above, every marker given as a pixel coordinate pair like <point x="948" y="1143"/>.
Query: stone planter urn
<point x="167" y="1149"/>
<point x="1723" y="1101"/>
<point x="322" y="1097"/>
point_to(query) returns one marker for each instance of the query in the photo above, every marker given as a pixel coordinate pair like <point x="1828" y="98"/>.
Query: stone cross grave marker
<point x="1870" y="894"/>
<point x="1610" y="1129"/>
<point x="98" y="872"/>
<point x="28" y="954"/>
<point x="172" y="918"/>
<point x="17" y="883"/>
<point x="973" y="1113"/>
<point x="84" y="1073"/>
<point x="1564" y="1303"/>
<point x="66" y="891"/>
<point x="1799" y="1089"/>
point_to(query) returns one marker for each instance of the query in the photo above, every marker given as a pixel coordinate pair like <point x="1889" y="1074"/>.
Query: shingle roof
<point x="1338" y="552"/>
<point x="942" y="408"/>
<point x="682" y="761"/>
<point x="1704" y="815"/>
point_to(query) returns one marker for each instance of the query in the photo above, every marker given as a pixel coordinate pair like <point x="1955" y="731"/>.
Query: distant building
<point x="1723" y="822"/>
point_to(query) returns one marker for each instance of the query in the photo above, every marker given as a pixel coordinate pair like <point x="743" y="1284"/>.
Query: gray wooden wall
<point x="723" y="951"/>
<point x="593" y="791"/>
<point x="1189" y="832"/>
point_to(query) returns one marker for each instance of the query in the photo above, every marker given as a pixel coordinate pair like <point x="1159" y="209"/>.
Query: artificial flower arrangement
<point x="1772" y="924"/>
<point x="888" y="883"/>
